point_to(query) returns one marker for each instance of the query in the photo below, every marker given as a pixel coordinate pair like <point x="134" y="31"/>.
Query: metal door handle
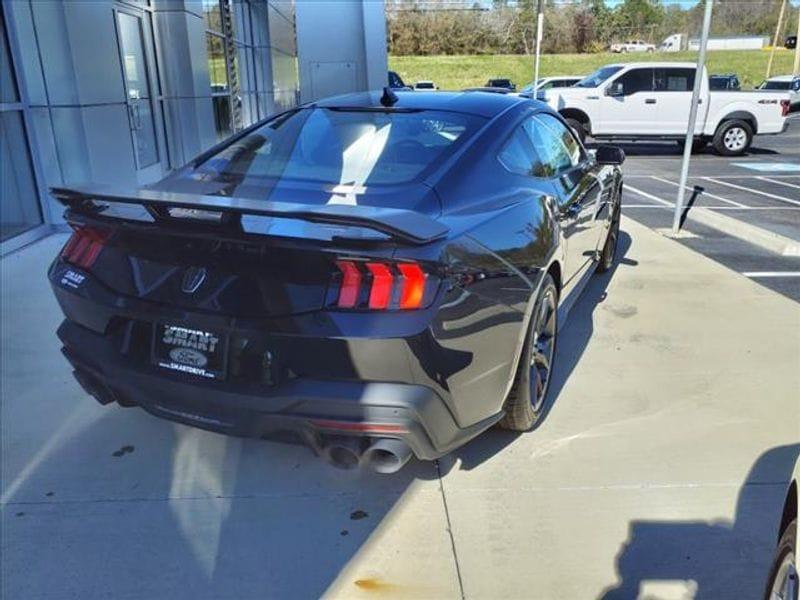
<point x="650" y="101"/>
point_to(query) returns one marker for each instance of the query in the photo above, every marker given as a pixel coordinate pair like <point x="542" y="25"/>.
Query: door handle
<point x="650" y="101"/>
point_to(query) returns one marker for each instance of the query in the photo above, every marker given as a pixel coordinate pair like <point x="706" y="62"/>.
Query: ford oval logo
<point x="187" y="356"/>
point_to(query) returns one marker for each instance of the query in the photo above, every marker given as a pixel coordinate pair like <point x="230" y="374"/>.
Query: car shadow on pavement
<point x="711" y="559"/>
<point x="128" y="505"/>
<point x="573" y="337"/>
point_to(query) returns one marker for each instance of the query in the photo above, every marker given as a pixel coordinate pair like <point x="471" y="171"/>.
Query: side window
<point x="636" y="80"/>
<point x="518" y="154"/>
<point x="673" y="80"/>
<point x="554" y="143"/>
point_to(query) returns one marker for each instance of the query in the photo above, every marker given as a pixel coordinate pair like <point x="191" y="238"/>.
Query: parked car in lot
<point x="788" y="83"/>
<point x="782" y="581"/>
<point x="651" y="101"/>
<point x="546" y="83"/>
<point x="377" y="274"/>
<point x="791" y="42"/>
<point x="633" y="46"/>
<point x="425" y="85"/>
<point x="728" y="81"/>
<point x="396" y="82"/>
<point x="502" y="83"/>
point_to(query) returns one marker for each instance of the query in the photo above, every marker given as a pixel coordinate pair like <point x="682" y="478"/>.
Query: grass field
<point x="457" y="72"/>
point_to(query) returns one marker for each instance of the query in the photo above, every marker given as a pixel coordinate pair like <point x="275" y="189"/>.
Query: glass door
<point x="134" y="40"/>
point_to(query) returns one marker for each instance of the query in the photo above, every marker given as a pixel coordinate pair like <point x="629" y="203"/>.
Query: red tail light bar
<point x="85" y="245"/>
<point x="785" y="106"/>
<point x="381" y="285"/>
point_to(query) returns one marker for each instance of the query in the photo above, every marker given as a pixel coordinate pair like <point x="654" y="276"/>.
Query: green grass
<point x="457" y="72"/>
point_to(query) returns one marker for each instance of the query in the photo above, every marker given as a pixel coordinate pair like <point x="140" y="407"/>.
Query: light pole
<point x="796" y="67"/>
<point x="776" y="38"/>
<point x="539" y="27"/>
<point x="687" y="147"/>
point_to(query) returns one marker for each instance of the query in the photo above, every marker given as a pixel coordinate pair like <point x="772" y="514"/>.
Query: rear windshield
<point x="362" y="147"/>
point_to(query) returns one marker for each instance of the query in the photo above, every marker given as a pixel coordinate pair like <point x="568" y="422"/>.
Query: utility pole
<point x="539" y="28"/>
<point x="687" y="146"/>
<point x="776" y="38"/>
<point x="796" y="68"/>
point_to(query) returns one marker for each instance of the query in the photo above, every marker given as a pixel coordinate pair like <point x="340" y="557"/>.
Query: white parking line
<point x="791" y="185"/>
<point x="757" y="274"/>
<point x="752" y="191"/>
<point x="702" y="192"/>
<point x="647" y="195"/>
<point x="726" y="208"/>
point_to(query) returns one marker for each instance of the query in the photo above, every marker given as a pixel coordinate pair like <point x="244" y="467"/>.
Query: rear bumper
<point x="299" y="409"/>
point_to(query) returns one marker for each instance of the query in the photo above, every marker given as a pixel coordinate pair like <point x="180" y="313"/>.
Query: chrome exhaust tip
<point x="387" y="455"/>
<point x="342" y="452"/>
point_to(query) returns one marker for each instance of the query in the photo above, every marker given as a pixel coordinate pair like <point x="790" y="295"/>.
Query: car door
<point x="672" y="97"/>
<point x="626" y="106"/>
<point x="564" y="161"/>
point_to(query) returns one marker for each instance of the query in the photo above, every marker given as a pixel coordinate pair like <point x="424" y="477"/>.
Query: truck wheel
<point x="526" y="400"/>
<point x="733" y="138"/>
<point x="578" y="128"/>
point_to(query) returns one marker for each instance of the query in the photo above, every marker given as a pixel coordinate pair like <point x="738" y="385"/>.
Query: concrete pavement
<point x="658" y="472"/>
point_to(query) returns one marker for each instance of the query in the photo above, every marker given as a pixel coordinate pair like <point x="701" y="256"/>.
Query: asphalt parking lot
<point x="757" y="195"/>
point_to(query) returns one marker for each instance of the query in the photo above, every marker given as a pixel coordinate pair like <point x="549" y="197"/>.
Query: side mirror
<point x="609" y="155"/>
<point x="615" y="89"/>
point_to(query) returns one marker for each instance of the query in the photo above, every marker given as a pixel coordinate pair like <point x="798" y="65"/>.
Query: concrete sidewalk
<point x="659" y="471"/>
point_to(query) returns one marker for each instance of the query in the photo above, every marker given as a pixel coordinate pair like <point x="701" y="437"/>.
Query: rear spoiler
<point x="402" y="225"/>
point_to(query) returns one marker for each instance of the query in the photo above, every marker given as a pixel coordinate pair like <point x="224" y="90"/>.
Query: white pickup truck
<point x="651" y="101"/>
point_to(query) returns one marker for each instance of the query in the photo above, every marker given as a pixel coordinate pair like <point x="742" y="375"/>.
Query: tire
<point x="783" y="563"/>
<point x="733" y="137"/>
<point x="526" y="401"/>
<point x="578" y="128"/>
<point x="610" y="247"/>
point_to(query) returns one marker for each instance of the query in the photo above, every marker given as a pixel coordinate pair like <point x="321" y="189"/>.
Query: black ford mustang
<point x="378" y="274"/>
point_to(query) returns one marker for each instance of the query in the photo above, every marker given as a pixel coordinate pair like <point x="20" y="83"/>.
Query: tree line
<point x="569" y="26"/>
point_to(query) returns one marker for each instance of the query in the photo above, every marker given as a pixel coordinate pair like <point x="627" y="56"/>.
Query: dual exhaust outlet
<point x="382" y="455"/>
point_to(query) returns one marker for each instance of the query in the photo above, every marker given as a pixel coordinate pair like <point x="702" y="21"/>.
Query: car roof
<point x="656" y="65"/>
<point x="484" y="104"/>
<point x="782" y="78"/>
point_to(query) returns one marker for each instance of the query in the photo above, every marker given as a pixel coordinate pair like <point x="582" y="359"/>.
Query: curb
<point x="774" y="242"/>
<point x="758" y="236"/>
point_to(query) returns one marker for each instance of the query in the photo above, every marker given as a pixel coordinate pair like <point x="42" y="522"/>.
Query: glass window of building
<point x="19" y="198"/>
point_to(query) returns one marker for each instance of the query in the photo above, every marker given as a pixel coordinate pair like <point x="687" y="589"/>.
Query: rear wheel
<point x="783" y="566"/>
<point x="526" y="400"/>
<point x="733" y="138"/>
<point x="578" y="128"/>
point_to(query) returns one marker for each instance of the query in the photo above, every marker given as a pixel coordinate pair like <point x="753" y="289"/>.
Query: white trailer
<point x="738" y="42"/>
<point x="673" y="43"/>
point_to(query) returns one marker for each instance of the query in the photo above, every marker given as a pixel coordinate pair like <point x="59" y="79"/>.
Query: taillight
<point x="85" y="245"/>
<point x="381" y="285"/>
<point x="785" y="106"/>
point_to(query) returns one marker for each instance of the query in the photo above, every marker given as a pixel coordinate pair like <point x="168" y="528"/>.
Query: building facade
<point x="123" y="91"/>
